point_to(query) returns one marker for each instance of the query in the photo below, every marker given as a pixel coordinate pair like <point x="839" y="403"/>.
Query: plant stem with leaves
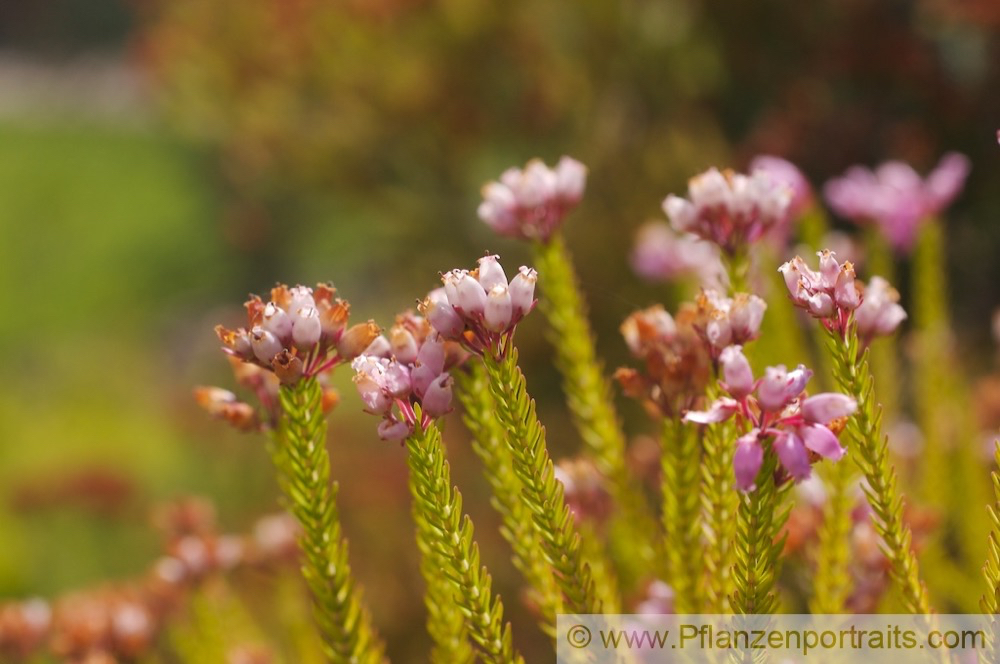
<point x="990" y="601"/>
<point x="719" y="503"/>
<point x="489" y="444"/>
<point x="448" y="533"/>
<point x="870" y="450"/>
<point x="832" y="583"/>
<point x="680" y="463"/>
<point x="343" y="621"/>
<point x="543" y="494"/>
<point x="588" y="389"/>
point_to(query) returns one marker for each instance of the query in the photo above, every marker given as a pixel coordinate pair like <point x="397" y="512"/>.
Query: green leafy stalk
<point x="453" y="554"/>
<point x="990" y="601"/>
<point x="542" y="493"/>
<point x="719" y="501"/>
<point x="759" y="518"/>
<point x="344" y="623"/>
<point x="588" y="390"/>
<point x="680" y="461"/>
<point x="870" y="450"/>
<point x="832" y="583"/>
<point x="489" y="444"/>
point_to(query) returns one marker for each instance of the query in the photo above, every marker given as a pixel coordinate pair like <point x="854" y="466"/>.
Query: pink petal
<point x="721" y="410"/>
<point x="747" y="461"/>
<point x="822" y="441"/>
<point x="792" y="455"/>
<point x="828" y="406"/>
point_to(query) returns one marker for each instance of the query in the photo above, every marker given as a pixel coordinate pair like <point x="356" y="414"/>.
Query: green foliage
<point x="542" y="493"/>
<point x="719" y="502"/>
<point x="759" y="518"/>
<point x="990" y="601"/>
<point x="832" y="583"/>
<point x="451" y="557"/>
<point x="343" y="621"/>
<point x="588" y="390"/>
<point x="489" y="444"/>
<point x="217" y="623"/>
<point x="870" y="450"/>
<point x="680" y="461"/>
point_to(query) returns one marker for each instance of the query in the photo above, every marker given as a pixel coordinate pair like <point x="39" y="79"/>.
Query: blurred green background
<point x="160" y="159"/>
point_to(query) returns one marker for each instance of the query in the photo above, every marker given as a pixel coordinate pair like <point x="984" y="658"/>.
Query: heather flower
<point x="776" y="408"/>
<point x="830" y="294"/>
<point x="723" y="321"/>
<point x="532" y="203"/>
<point x="585" y="489"/>
<point x="676" y="366"/>
<point x="480" y="308"/>
<point x="300" y="333"/>
<point x="785" y="172"/>
<point x="662" y="254"/>
<point x="411" y="367"/>
<point x="880" y="312"/>
<point x="895" y="197"/>
<point x="730" y="209"/>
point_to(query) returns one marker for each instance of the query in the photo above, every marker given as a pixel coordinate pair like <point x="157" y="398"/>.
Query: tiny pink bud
<point x="392" y="430"/>
<point x="300" y="297"/>
<point x="306" y="328"/>
<point x="470" y="295"/>
<point x="522" y="291"/>
<point x="846" y="291"/>
<point x="499" y="309"/>
<point x="746" y="316"/>
<point x="437" y="399"/>
<point x="491" y="273"/>
<point x="827" y="406"/>
<point x="792" y="454"/>
<point x="265" y="344"/>
<point x="571" y="178"/>
<point x="277" y="321"/>
<point x="747" y="460"/>
<point x="402" y="344"/>
<point x="821" y="305"/>
<point x="396" y="379"/>
<point x="779" y="387"/>
<point x="736" y="371"/>
<point x="822" y="441"/>
<point x="719" y="411"/>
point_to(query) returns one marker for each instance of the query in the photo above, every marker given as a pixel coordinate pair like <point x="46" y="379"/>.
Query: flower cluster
<point x="662" y="254"/>
<point x="676" y="367"/>
<point x="301" y="332"/>
<point x="730" y="209"/>
<point x="225" y="405"/>
<point x="723" y="321"/>
<point x="532" y="203"/>
<point x="775" y="407"/>
<point x="895" y="197"/>
<point x="785" y="172"/>
<point x="480" y="308"/>
<point x="409" y="367"/>
<point x="833" y="293"/>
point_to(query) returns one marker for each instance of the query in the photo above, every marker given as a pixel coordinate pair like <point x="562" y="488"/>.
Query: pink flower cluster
<point x="481" y="308"/>
<point x="722" y="321"/>
<point x="532" y="203"/>
<point x="775" y="406"/>
<point x="785" y="172"/>
<point x="895" y="197"/>
<point x="662" y="254"/>
<point x="300" y="332"/>
<point x="730" y="209"/>
<point x="833" y="293"/>
<point x="410" y="367"/>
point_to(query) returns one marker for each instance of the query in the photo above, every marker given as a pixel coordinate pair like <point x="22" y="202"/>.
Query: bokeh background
<point x="161" y="158"/>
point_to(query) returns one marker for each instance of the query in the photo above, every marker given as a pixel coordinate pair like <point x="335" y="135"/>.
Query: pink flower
<point x="479" y="308"/>
<point x="894" y="196"/>
<point x="787" y="173"/>
<point x="880" y="313"/>
<point x="724" y="321"/>
<point x="775" y="408"/>
<point x="533" y="202"/>
<point x="729" y="209"/>
<point x="662" y="254"/>
<point x="830" y="294"/>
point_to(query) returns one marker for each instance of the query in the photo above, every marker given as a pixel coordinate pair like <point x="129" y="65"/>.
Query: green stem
<point x="542" y="493"/>
<point x="759" y="519"/>
<point x="489" y="444"/>
<point x="679" y="460"/>
<point x="832" y="583"/>
<point x="990" y="602"/>
<point x="870" y="450"/>
<point x="719" y="501"/>
<point x="446" y="536"/>
<point x="344" y="623"/>
<point x="588" y="390"/>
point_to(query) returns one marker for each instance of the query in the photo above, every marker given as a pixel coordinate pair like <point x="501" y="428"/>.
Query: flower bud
<point x="522" y="291"/>
<point x="792" y="454"/>
<point x="491" y="273"/>
<point x="287" y="367"/>
<point x="745" y="316"/>
<point x="499" y="309"/>
<point x="822" y="441"/>
<point x="370" y="390"/>
<point x="236" y="342"/>
<point x="879" y="313"/>
<point x="736" y="371"/>
<point x="265" y="344"/>
<point x="403" y="345"/>
<point x="828" y="406"/>
<point x="778" y="387"/>
<point x="300" y="297"/>
<point x="441" y="315"/>
<point x="471" y="296"/>
<point x="357" y="338"/>
<point x="306" y="328"/>
<point x="846" y="291"/>
<point x="747" y="460"/>
<point x="571" y="179"/>
<point x="821" y="305"/>
<point x="396" y="379"/>
<point x="277" y="321"/>
<point x="437" y="399"/>
<point x="392" y="430"/>
<point x="333" y="318"/>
